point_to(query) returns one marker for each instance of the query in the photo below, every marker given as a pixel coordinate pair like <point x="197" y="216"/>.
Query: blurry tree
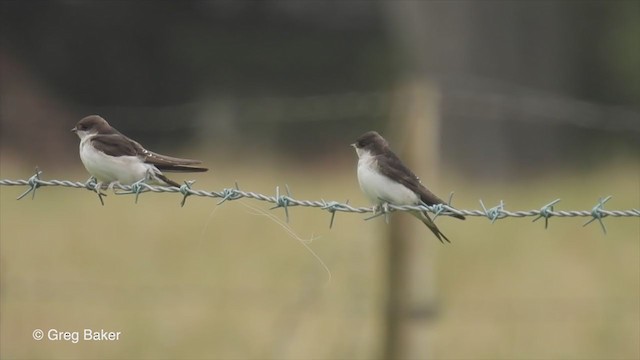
<point x="138" y="62"/>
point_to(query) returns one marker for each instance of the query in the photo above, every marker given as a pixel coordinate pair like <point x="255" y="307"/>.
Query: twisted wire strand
<point x="285" y="201"/>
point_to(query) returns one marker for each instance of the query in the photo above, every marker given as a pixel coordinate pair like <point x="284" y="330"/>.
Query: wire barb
<point x="136" y="188"/>
<point x="438" y="209"/>
<point x="230" y="194"/>
<point x="546" y="212"/>
<point x="34" y="182"/>
<point x="283" y="201"/>
<point x="92" y="184"/>
<point x="597" y="213"/>
<point x="332" y="207"/>
<point x="495" y="213"/>
<point x="185" y="190"/>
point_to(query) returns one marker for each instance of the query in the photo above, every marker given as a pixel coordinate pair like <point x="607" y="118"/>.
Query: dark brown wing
<point x="120" y="145"/>
<point x="115" y="145"/>
<point x="168" y="163"/>
<point x="392" y="167"/>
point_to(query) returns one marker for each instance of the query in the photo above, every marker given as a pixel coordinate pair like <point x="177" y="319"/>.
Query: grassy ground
<point x="222" y="282"/>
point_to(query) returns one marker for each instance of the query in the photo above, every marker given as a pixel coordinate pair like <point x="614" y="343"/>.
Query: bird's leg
<point x="382" y="208"/>
<point x="376" y="210"/>
<point x="113" y="184"/>
<point x="146" y="178"/>
<point x="385" y="211"/>
<point x="99" y="185"/>
<point x="151" y="178"/>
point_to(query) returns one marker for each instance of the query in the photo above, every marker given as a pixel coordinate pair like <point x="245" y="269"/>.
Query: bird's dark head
<point x="92" y="124"/>
<point x="370" y="143"/>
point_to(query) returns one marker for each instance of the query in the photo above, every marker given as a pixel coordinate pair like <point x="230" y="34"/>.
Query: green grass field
<point x="207" y="281"/>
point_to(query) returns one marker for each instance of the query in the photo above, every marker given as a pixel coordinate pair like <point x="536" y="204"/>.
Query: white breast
<point x="106" y="168"/>
<point x="379" y="188"/>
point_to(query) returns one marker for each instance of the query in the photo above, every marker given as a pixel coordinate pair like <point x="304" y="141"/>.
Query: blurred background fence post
<point x="415" y="118"/>
<point x="411" y="306"/>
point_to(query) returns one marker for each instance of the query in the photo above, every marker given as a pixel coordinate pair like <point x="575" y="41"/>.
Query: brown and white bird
<point x="385" y="179"/>
<point x="111" y="157"/>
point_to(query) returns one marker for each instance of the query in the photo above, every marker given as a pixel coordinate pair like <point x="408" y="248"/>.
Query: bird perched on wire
<point x="112" y="158"/>
<point x="385" y="179"/>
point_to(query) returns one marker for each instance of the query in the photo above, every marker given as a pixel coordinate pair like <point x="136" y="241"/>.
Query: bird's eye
<point x="361" y="144"/>
<point x="82" y="127"/>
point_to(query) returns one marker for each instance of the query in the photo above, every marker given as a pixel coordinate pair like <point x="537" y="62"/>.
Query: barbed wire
<point x="285" y="201"/>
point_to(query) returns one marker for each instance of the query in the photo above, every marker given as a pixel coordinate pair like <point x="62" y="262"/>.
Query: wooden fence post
<point x="411" y="246"/>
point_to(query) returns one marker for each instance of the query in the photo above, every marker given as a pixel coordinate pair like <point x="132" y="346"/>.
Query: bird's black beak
<point x="74" y="130"/>
<point x="353" y="145"/>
